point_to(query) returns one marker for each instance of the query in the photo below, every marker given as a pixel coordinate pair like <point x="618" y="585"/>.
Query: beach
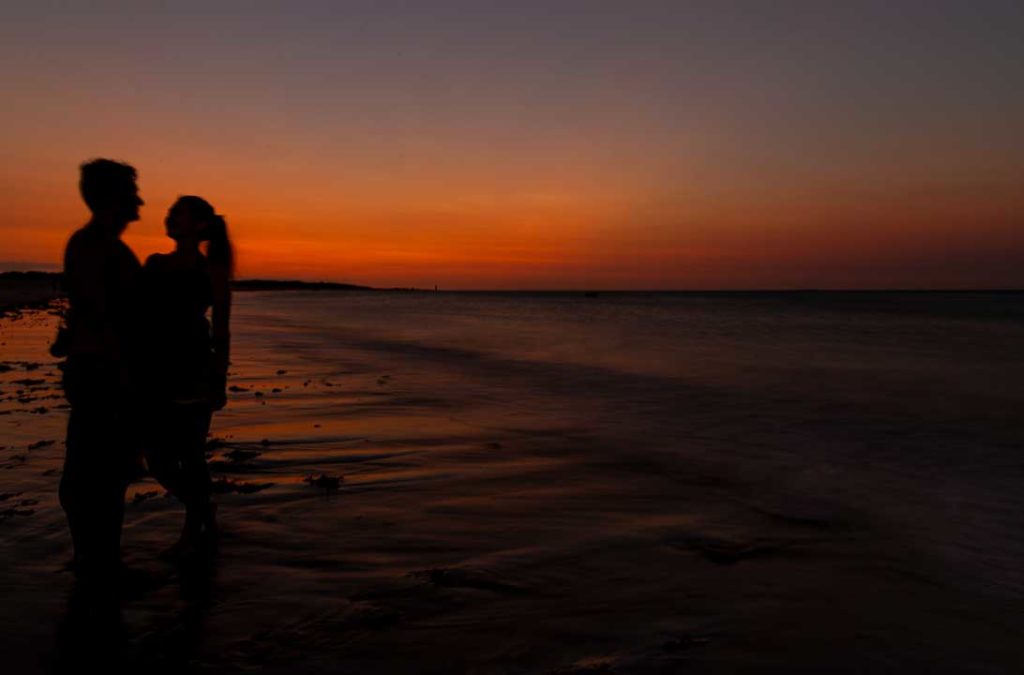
<point x="25" y="290"/>
<point x="555" y="483"/>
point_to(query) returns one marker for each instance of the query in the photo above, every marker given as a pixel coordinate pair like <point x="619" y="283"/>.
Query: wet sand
<point x="374" y="523"/>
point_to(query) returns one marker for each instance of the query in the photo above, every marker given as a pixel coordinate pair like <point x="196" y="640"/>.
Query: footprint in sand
<point x="143" y="496"/>
<point x="242" y="455"/>
<point x="226" y="485"/>
<point x="324" y="481"/>
<point x="462" y="578"/>
<point x="6" y="514"/>
<point x="727" y="552"/>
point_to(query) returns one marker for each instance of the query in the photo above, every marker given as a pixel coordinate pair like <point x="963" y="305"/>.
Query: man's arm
<point x="85" y="279"/>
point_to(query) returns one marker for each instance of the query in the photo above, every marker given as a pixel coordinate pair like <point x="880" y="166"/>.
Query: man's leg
<point x="73" y="491"/>
<point x="93" y="484"/>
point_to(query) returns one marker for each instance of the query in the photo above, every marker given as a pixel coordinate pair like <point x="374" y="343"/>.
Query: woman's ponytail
<point x="219" y="251"/>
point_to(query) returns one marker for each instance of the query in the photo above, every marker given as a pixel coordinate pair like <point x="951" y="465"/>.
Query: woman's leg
<point x="162" y="448"/>
<point x="195" y="423"/>
<point x="176" y="455"/>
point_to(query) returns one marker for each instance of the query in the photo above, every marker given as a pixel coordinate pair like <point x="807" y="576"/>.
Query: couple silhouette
<point x="144" y="368"/>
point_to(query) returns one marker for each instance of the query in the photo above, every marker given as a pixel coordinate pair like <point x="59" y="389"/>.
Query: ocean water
<point x="730" y="482"/>
<point x="904" y="406"/>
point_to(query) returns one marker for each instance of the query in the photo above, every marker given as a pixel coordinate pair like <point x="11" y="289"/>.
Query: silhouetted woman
<point x="188" y="357"/>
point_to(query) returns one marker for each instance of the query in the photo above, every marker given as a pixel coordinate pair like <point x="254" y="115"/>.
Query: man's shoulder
<point x="83" y="236"/>
<point x="82" y="245"/>
<point x="86" y="244"/>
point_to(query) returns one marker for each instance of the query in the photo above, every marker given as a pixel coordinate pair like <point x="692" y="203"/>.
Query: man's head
<point x="110" y="192"/>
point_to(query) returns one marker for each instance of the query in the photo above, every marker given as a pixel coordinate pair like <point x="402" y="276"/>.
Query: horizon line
<point x="342" y="285"/>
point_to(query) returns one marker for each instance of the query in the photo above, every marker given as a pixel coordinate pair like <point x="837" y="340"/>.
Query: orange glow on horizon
<point x="469" y="162"/>
<point x="572" y="239"/>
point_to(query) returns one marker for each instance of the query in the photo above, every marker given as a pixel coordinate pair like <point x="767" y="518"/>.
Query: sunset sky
<point x="660" y="145"/>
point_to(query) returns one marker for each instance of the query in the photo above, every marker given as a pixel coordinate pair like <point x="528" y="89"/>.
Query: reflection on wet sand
<point x="386" y="511"/>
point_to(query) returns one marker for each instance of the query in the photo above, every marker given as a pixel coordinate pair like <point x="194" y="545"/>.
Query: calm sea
<point x="903" y="407"/>
<point x="803" y="482"/>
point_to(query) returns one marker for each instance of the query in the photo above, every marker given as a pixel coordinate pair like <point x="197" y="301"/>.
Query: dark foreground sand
<point x="456" y="544"/>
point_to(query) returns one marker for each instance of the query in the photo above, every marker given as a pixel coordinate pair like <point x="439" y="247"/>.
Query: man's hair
<point x="103" y="181"/>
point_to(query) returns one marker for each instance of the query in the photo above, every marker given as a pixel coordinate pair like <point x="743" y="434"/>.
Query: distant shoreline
<point x="27" y="290"/>
<point x="295" y="285"/>
<point x="20" y="290"/>
<point x="53" y="279"/>
<point x="36" y="289"/>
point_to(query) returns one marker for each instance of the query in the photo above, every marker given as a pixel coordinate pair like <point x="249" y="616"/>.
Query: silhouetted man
<point x="100" y="276"/>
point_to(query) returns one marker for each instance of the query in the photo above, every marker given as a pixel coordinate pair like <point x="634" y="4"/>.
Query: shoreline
<point x="50" y="282"/>
<point x="20" y="291"/>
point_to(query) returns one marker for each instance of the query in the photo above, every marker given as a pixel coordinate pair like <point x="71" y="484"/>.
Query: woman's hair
<point x="218" y="249"/>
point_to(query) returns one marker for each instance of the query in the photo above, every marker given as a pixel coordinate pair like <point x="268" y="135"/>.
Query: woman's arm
<point x="221" y="333"/>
